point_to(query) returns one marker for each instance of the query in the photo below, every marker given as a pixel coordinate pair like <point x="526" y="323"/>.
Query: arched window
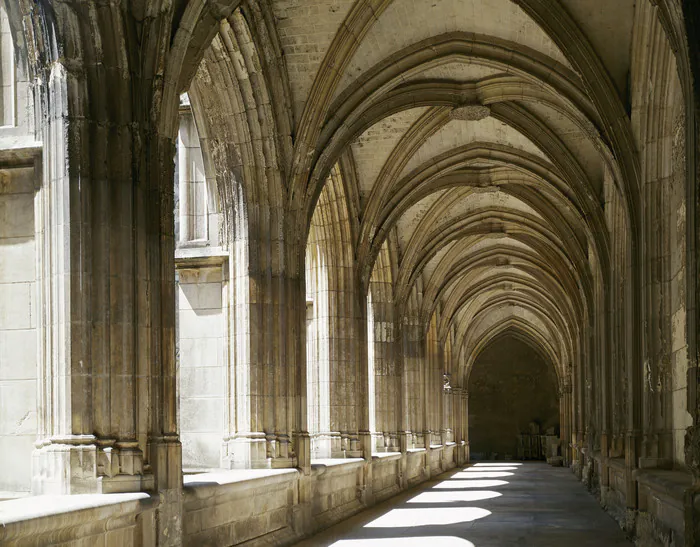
<point x="332" y="381"/>
<point x="323" y="443"/>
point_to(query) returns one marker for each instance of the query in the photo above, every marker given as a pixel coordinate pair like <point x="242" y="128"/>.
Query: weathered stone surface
<point x="274" y="243"/>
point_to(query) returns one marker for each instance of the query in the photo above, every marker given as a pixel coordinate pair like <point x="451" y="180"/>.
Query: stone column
<point x="457" y="420"/>
<point x="446" y="431"/>
<point x="465" y="424"/>
<point x="387" y="379"/>
<point x="106" y="281"/>
<point x="565" y="422"/>
<point x="267" y="406"/>
<point x="414" y="367"/>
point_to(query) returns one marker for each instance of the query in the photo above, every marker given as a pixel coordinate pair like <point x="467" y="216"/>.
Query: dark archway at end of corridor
<point x="513" y="403"/>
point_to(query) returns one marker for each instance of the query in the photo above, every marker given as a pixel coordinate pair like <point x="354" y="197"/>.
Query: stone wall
<point x="18" y="335"/>
<point x="85" y="520"/>
<point x="509" y="387"/>
<point x="201" y="364"/>
<point x="254" y="507"/>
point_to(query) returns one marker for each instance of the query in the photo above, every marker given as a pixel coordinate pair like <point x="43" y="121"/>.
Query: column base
<point x="65" y="466"/>
<point x="257" y="451"/>
<point x="327" y="445"/>
<point x="84" y="464"/>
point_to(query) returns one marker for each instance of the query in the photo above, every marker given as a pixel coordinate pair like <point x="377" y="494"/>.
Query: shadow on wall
<point x="512" y="401"/>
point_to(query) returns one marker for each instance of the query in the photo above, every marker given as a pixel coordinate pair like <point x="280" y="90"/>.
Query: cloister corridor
<point x="277" y="268"/>
<point x="496" y="504"/>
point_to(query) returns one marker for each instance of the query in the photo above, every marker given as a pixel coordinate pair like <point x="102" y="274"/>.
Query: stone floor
<point x="486" y="505"/>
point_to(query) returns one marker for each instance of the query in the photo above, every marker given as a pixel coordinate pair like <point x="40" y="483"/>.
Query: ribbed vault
<point x="397" y="186"/>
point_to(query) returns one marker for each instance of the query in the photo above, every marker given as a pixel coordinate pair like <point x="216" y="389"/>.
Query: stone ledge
<point x="12" y="495"/>
<point x="618" y="464"/>
<point x="41" y="514"/>
<point x="338" y="465"/>
<point x="18" y="151"/>
<point x="386" y="456"/>
<point x="200" y="256"/>
<point x="208" y="483"/>
<point x="35" y="507"/>
<point x="670" y="484"/>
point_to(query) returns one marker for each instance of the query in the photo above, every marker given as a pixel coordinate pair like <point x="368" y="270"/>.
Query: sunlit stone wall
<point x="18" y="335"/>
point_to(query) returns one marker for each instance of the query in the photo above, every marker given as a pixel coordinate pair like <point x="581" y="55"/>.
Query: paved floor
<point x="486" y="505"/>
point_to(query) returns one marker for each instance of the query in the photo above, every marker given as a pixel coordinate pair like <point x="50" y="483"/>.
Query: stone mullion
<point x="155" y="317"/>
<point x="392" y="373"/>
<point x="360" y="358"/>
<point x="457" y="418"/>
<point x="465" y="423"/>
<point x="263" y="409"/>
<point x="387" y="384"/>
<point x="426" y="392"/>
<point x="413" y="357"/>
<point x="347" y="337"/>
<point x="448" y="418"/>
<point x="404" y="418"/>
<point x="433" y="393"/>
<point x="580" y="396"/>
<point x="244" y="440"/>
<point x="114" y="311"/>
<point x="287" y="310"/>
<point x="567" y="423"/>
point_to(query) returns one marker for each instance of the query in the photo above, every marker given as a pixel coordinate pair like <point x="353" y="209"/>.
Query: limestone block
<point x="195" y="324"/>
<point x="15" y="462"/>
<point x="18" y="354"/>
<point x="202" y="381"/>
<point x="199" y="352"/>
<point x="201" y="414"/>
<point x="17" y="306"/>
<point x="16" y="216"/>
<point x="18" y="407"/>
<point x="18" y="260"/>
<point x="201" y="450"/>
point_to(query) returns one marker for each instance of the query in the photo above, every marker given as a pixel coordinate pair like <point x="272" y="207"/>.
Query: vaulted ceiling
<point x="484" y="139"/>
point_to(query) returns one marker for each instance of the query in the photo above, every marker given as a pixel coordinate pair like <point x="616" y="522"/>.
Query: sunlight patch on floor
<point x="452" y="496"/>
<point x="496" y="464"/>
<point x="457" y="485"/>
<point x="408" y="518"/>
<point x="433" y="541"/>
<point x="481" y="474"/>
<point x="490" y="468"/>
